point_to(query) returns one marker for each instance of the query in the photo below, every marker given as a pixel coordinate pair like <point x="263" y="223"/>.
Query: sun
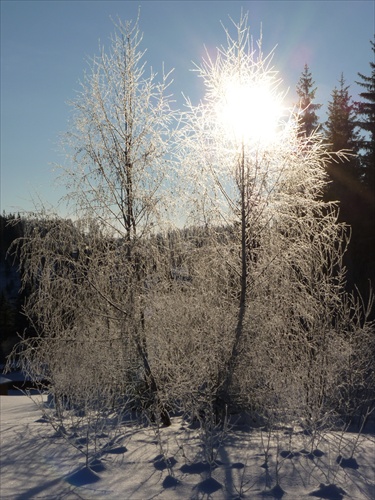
<point x="251" y="112"/>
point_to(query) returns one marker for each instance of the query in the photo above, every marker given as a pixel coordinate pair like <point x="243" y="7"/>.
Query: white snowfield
<point x="36" y="463"/>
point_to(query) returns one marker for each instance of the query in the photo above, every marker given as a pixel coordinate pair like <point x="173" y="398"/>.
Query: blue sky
<point x="45" y="45"/>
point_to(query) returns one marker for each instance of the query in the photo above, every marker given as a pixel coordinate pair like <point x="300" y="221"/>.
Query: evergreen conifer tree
<point x="341" y="134"/>
<point x="356" y="207"/>
<point x="306" y="94"/>
<point x="366" y="121"/>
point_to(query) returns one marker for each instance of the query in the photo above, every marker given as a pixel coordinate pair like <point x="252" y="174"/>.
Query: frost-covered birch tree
<point x="119" y="173"/>
<point x="122" y="168"/>
<point x="252" y="175"/>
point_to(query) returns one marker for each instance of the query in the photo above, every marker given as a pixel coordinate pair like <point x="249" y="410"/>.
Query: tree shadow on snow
<point x="41" y="491"/>
<point x="347" y="463"/>
<point x="289" y="454"/>
<point x="170" y="482"/>
<point x="83" y="477"/>
<point x="312" y="454"/>
<point x="328" y="492"/>
<point x="196" y="468"/>
<point x="161" y="463"/>
<point x="208" y="486"/>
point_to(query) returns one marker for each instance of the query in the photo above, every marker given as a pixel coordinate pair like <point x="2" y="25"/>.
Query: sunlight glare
<point x="251" y="112"/>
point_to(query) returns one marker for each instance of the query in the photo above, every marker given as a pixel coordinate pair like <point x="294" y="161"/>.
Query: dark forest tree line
<point x="350" y="126"/>
<point x="11" y="298"/>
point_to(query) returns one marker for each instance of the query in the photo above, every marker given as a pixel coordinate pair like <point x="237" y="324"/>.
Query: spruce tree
<point x="366" y="227"/>
<point x="341" y="134"/>
<point x="347" y="187"/>
<point x="306" y="93"/>
<point x="366" y="121"/>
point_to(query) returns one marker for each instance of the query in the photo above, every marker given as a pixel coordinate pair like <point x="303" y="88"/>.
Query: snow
<point x="37" y="463"/>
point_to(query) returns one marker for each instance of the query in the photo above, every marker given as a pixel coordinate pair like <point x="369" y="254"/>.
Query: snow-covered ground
<point x="36" y="463"/>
